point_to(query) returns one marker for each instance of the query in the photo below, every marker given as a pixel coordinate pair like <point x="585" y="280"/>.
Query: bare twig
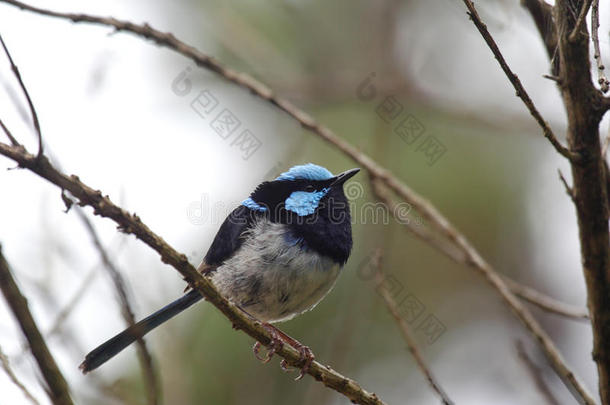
<point x="144" y="356"/>
<point x="374" y="169"/>
<point x="72" y="303"/>
<point x="547" y="303"/>
<point x="6" y="365"/>
<point x="63" y="314"/>
<point x="406" y="331"/>
<point x="584" y="106"/>
<point x="259" y="89"/>
<point x="468" y="255"/>
<point x="556" y="79"/>
<point x="17" y="74"/>
<point x="602" y="80"/>
<point x="569" y="190"/>
<point x="9" y="134"/>
<point x="131" y="223"/>
<point x="529" y="294"/>
<point x="146" y="362"/>
<point x="521" y="93"/>
<point x="58" y="390"/>
<point x="535" y="374"/>
<point x="580" y="21"/>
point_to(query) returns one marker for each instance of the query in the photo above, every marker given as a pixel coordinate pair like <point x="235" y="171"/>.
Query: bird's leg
<point x="304" y="351"/>
<point x="276" y="343"/>
<point x="278" y="339"/>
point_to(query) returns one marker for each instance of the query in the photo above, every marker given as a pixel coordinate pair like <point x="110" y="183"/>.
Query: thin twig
<point x="148" y="371"/>
<point x="63" y="314"/>
<point x="602" y="80"/>
<point x="569" y="190"/>
<point x="17" y="74"/>
<point x="556" y="79"/>
<point x="406" y="331"/>
<point x="146" y="362"/>
<point x="547" y="303"/>
<point x="514" y="79"/>
<point x="131" y="223"/>
<point x="9" y="134"/>
<point x="58" y="390"/>
<point x="257" y="88"/>
<point x="529" y="294"/>
<point x="72" y="303"/>
<point x="469" y="255"/>
<point x="6" y="365"/>
<point x="535" y="374"/>
<point x="580" y="21"/>
<point x="374" y="169"/>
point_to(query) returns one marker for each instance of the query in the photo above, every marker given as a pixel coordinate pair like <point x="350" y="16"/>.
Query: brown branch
<point x="148" y="371"/>
<point x="72" y="303"/>
<point x="406" y="331"/>
<point x="584" y="109"/>
<point x="535" y="374"/>
<point x="526" y="293"/>
<point x="577" y="30"/>
<point x="9" y="134"/>
<point x="374" y="169"/>
<point x="260" y="90"/>
<point x="547" y="303"/>
<point x="131" y="223"/>
<point x="569" y="190"/>
<point x="146" y="362"/>
<point x="521" y="93"/>
<point x="602" y="80"/>
<point x="468" y="255"/>
<point x="17" y="74"/>
<point x="58" y="390"/>
<point x="6" y="365"/>
<point x="63" y="314"/>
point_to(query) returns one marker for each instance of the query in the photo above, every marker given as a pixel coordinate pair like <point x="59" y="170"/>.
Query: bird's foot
<point x="306" y="356"/>
<point x="276" y="344"/>
<point x="278" y="339"/>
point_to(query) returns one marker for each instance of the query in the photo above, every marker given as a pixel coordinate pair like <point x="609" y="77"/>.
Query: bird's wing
<point x="229" y="236"/>
<point x="227" y="240"/>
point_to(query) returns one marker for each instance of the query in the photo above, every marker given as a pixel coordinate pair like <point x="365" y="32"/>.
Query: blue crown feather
<point x="307" y="171"/>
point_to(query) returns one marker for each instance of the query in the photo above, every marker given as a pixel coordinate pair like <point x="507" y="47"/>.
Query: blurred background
<point x="122" y="114"/>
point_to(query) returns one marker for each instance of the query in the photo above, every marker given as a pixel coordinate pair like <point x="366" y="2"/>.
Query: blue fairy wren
<point x="275" y="256"/>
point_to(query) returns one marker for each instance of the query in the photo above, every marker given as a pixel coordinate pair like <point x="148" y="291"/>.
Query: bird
<point x="275" y="256"/>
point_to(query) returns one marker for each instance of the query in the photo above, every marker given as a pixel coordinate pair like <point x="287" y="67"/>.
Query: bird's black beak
<point x="343" y="177"/>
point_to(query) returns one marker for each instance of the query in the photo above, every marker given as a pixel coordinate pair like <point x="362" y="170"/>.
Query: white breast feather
<point x="272" y="278"/>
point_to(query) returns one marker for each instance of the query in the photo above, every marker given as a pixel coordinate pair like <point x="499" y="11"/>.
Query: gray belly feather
<point x="273" y="277"/>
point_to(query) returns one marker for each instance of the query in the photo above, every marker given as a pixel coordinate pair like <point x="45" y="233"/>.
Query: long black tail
<point x="114" y="346"/>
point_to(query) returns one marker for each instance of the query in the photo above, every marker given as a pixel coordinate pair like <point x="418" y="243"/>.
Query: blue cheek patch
<point x="303" y="203"/>
<point x="250" y="203"/>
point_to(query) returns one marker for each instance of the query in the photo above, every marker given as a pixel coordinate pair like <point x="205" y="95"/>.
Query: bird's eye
<point x="310" y="189"/>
